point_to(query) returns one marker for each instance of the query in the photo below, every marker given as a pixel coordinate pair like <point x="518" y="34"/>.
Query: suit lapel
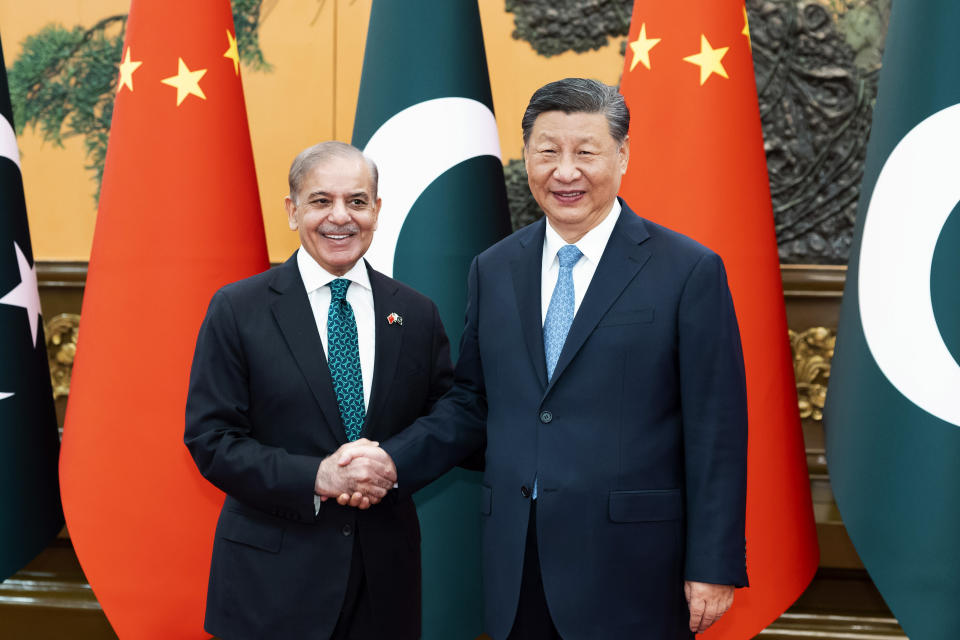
<point x="389" y="341"/>
<point x="622" y="259"/>
<point x="527" y="270"/>
<point x="294" y="316"/>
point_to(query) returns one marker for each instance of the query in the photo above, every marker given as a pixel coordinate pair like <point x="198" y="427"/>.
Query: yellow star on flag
<point x="641" y="48"/>
<point x="232" y="52"/>
<point x="127" y="67"/>
<point x="746" y="28"/>
<point x="709" y="60"/>
<point x="187" y="82"/>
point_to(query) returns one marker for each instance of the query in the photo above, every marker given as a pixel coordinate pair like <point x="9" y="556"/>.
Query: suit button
<point x="545" y="417"/>
<point x="524" y="491"/>
<point x="347" y="530"/>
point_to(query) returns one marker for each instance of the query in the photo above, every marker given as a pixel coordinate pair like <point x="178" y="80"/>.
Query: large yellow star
<point x="127" y="67"/>
<point x="232" y="52"/>
<point x="641" y="48"/>
<point x="746" y="28"/>
<point x="187" y="82"/>
<point x="709" y="60"/>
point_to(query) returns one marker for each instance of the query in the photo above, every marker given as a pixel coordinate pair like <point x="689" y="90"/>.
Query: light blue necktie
<point x="343" y="357"/>
<point x="560" y="313"/>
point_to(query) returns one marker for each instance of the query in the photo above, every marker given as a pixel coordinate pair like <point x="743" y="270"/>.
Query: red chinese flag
<point x="179" y="217"/>
<point x="697" y="165"/>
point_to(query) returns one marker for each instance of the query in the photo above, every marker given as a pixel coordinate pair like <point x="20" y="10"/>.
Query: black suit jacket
<point x="261" y="415"/>
<point x="638" y="440"/>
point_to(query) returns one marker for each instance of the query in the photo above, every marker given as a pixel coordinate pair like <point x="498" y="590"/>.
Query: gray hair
<point x="579" y="95"/>
<point x="321" y="152"/>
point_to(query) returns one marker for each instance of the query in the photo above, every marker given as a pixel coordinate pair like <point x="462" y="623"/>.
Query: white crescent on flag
<point x="415" y="147"/>
<point x="916" y="190"/>
<point x="8" y="142"/>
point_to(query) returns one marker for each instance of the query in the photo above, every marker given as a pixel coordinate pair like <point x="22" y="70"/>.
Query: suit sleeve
<point x="442" y="379"/>
<point x="218" y="429"/>
<point x="441" y="373"/>
<point x="714" y="412"/>
<point x="455" y="430"/>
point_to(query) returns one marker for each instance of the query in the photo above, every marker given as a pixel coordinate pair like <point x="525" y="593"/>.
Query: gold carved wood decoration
<point x="61" y="333"/>
<point x="812" y="353"/>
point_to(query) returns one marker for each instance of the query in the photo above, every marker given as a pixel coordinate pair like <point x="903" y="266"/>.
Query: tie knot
<point x="568" y="256"/>
<point x="338" y="289"/>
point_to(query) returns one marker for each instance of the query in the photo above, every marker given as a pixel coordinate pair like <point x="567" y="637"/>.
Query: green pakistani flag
<point x="30" y="514"/>
<point x="425" y="116"/>
<point x="893" y="407"/>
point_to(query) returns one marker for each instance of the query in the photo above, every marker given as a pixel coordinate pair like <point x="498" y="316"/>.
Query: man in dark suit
<point x="291" y="366"/>
<point x="601" y="365"/>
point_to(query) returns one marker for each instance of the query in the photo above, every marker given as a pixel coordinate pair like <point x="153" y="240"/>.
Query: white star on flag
<point x="26" y="294"/>
<point x="4" y="395"/>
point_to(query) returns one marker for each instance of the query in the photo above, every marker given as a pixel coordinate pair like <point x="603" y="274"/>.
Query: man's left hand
<point x="707" y="602"/>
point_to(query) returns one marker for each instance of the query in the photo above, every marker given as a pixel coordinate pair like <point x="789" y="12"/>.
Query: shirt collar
<point x="593" y="242"/>
<point x="314" y="276"/>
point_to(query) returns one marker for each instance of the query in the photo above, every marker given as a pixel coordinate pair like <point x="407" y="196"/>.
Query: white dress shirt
<point x="591" y="245"/>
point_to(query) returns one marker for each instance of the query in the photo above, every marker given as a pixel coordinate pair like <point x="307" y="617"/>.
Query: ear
<point x="291" y="208"/>
<point x="526" y="163"/>
<point x="376" y="212"/>
<point x="624" y="155"/>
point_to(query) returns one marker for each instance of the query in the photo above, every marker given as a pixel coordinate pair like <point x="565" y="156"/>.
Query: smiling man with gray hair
<point x="601" y="370"/>
<point x="294" y="366"/>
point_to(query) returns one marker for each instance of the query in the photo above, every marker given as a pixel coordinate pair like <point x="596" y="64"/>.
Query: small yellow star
<point x="709" y="60"/>
<point x="641" y="48"/>
<point x="234" y="55"/>
<point x="127" y="67"/>
<point x="746" y="28"/>
<point x="187" y="82"/>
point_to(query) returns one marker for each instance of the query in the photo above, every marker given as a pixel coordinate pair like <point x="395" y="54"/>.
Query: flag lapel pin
<point x="395" y="318"/>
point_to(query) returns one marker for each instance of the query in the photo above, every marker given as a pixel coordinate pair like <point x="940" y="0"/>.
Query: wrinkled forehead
<point x="575" y="127"/>
<point x="340" y="175"/>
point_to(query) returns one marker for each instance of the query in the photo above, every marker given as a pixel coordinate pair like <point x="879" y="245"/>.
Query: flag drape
<point x="697" y="165"/>
<point x="30" y="514"/>
<point x="425" y="115"/>
<point x="179" y="216"/>
<point x="892" y="415"/>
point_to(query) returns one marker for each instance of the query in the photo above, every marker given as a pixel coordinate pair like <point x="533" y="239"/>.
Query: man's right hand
<point x="358" y="474"/>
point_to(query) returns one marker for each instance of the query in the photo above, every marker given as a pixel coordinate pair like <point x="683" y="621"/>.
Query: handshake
<point x="358" y="474"/>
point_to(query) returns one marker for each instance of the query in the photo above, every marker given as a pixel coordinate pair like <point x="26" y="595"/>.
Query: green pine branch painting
<point x="64" y="80"/>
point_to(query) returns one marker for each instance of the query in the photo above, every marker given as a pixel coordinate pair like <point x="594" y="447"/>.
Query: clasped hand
<point x="358" y="474"/>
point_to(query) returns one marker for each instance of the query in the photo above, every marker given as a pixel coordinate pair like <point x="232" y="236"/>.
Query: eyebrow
<point x="553" y="139"/>
<point x="356" y="194"/>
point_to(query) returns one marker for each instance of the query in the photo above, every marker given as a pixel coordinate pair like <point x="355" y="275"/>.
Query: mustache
<point x="338" y="230"/>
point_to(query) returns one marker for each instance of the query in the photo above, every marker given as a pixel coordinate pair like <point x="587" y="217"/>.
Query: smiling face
<point x="335" y="212"/>
<point x="574" y="167"/>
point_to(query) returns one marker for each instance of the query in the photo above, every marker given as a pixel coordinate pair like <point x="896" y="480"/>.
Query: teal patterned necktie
<point x="343" y="357"/>
<point x="560" y="312"/>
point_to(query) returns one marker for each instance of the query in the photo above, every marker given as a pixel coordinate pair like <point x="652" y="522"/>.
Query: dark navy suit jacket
<point x="261" y="415"/>
<point x="638" y="441"/>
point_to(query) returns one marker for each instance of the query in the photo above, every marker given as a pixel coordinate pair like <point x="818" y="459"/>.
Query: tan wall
<point x="316" y="49"/>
